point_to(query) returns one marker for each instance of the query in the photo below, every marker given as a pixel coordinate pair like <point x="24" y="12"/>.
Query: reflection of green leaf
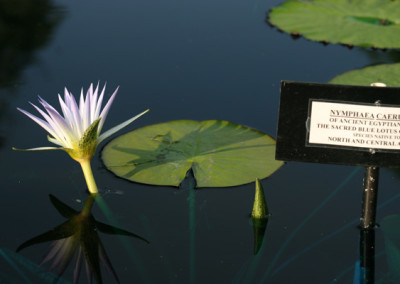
<point x="220" y="154"/>
<point x="259" y="226"/>
<point x="62" y="208"/>
<point x="391" y="229"/>
<point x="111" y="230"/>
<point x="60" y="232"/>
<point x="384" y="73"/>
<point x="365" y="23"/>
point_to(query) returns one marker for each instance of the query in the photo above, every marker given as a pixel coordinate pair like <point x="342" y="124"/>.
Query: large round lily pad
<point x="220" y="154"/>
<point x="384" y="73"/>
<point x="365" y="23"/>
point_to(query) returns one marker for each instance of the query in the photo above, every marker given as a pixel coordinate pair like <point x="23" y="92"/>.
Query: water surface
<point x="195" y="60"/>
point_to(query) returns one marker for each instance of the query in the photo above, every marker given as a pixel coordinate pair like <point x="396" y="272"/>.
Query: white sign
<point x="352" y="125"/>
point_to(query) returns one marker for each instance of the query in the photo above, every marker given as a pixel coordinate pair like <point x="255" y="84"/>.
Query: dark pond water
<point x="195" y="60"/>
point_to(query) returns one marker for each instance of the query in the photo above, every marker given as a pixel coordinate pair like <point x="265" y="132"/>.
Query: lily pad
<point x="365" y="23"/>
<point x="384" y="73"/>
<point x="220" y="154"/>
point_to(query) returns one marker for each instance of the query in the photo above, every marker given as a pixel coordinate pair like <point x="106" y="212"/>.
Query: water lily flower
<point x="77" y="130"/>
<point x="78" y="237"/>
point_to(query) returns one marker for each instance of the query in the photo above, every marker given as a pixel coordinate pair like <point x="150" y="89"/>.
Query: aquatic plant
<point x="78" y="130"/>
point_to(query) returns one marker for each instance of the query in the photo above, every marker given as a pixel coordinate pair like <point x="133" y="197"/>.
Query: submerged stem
<point x="87" y="207"/>
<point x="87" y="171"/>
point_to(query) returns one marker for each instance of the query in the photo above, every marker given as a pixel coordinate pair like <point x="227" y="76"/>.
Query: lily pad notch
<point x="220" y="154"/>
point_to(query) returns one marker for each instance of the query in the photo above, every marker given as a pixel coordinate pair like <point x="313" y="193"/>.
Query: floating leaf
<point x="384" y="73"/>
<point x="365" y="23"/>
<point x="220" y="154"/>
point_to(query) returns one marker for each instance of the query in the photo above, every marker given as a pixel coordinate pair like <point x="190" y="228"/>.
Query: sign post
<point x="338" y="124"/>
<point x="348" y="125"/>
<point x="370" y="197"/>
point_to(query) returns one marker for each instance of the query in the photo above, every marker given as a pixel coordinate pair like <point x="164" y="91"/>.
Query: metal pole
<point x="367" y="256"/>
<point x="370" y="196"/>
<point x="368" y="217"/>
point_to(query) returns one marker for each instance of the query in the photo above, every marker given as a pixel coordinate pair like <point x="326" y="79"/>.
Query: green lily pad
<point x="365" y="23"/>
<point x="220" y="153"/>
<point x="384" y="73"/>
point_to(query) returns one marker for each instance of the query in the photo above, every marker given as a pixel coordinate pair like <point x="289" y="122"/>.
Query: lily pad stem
<point x="87" y="171"/>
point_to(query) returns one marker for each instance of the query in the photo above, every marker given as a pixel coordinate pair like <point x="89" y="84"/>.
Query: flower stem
<point x="87" y="208"/>
<point x="87" y="171"/>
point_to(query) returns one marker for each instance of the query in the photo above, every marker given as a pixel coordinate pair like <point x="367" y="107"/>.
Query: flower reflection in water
<point x="78" y="236"/>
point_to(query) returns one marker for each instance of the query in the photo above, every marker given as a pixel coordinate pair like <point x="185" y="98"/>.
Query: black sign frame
<point x="292" y="133"/>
